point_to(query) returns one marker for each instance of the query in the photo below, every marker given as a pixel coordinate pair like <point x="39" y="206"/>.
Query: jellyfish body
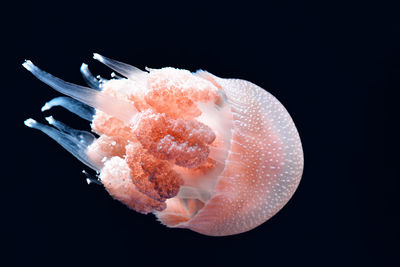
<point x="217" y="156"/>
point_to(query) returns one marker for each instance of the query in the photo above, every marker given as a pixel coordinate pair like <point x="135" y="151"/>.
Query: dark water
<point x="332" y="65"/>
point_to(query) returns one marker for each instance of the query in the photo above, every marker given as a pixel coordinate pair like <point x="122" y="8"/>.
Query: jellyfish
<point x="214" y="155"/>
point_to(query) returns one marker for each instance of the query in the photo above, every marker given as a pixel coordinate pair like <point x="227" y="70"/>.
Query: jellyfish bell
<point x="217" y="156"/>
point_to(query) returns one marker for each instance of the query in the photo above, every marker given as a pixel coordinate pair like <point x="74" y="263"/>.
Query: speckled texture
<point x="270" y="164"/>
<point x="260" y="173"/>
<point x="217" y="156"/>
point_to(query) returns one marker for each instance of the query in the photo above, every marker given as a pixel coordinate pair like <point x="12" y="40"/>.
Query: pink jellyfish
<point x="217" y="156"/>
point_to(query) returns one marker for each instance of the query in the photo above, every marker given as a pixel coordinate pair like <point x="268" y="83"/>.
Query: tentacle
<point x="66" y="140"/>
<point x="89" y="78"/>
<point x="121" y="109"/>
<point x="83" y="137"/>
<point x="91" y="179"/>
<point x="127" y="70"/>
<point x="82" y="110"/>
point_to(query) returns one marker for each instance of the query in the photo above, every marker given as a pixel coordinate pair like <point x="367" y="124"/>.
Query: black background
<point x="333" y="66"/>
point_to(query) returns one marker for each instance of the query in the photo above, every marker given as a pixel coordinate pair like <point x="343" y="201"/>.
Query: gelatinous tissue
<point x="217" y="156"/>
